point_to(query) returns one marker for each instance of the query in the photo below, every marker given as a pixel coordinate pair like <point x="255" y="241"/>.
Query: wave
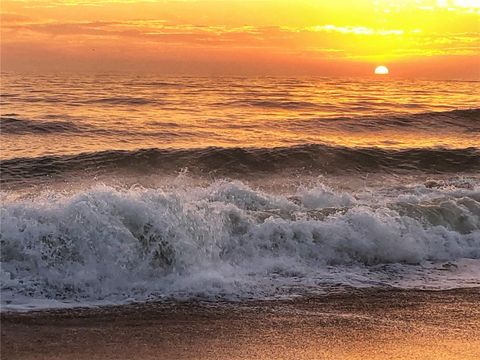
<point x="12" y="125"/>
<point x="310" y="159"/>
<point x="229" y="239"/>
<point x="17" y="126"/>
<point x="467" y="120"/>
<point x="74" y="101"/>
<point x="273" y="104"/>
<point x="122" y="100"/>
<point x="450" y="121"/>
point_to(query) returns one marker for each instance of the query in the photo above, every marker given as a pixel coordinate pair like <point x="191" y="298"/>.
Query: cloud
<point x="356" y="30"/>
<point x="337" y="39"/>
<point x="7" y="18"/>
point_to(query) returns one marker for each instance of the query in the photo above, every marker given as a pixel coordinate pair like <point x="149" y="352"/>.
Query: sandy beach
<point x="373" y="324"/>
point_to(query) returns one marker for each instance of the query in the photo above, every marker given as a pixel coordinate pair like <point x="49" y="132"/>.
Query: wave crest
<point x="244" y="162"/>
<point x="107" y="243"/>
<point x="12" y="125"/>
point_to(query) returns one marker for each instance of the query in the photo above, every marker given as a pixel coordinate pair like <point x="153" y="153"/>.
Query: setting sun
<point x="381" y="70"/>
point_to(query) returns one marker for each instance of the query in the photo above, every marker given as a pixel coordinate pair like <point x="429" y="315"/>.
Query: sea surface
<point x="118" y="188"/>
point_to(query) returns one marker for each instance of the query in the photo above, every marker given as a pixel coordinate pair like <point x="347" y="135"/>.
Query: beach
<point x="354" y="324"/>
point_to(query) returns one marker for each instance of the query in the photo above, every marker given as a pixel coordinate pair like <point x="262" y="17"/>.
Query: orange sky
<point x="415" y="38"/>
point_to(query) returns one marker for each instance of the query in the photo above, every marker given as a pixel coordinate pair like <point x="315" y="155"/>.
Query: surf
<point x="233" y="241"/>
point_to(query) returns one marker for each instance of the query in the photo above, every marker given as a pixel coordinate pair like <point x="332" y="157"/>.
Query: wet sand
<point x="361" y="324"/>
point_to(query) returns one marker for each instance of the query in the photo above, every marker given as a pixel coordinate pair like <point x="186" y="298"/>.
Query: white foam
<point x="107" y="245"/>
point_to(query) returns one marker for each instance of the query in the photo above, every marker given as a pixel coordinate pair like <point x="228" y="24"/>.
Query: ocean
<point x="120" y="188"/>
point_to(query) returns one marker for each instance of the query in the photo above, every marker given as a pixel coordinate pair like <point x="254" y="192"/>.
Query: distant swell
<point x="249" y="162"/>
<point x="122" y="100"/>
<point x="12" y="125"/>
<point x="274" y="104"/>
<point x="449" y="121"/>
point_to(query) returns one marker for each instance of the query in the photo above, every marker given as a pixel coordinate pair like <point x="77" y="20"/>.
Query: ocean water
<point x="120" y="188"/>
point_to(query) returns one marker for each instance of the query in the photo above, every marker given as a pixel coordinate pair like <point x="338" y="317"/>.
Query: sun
<point x="381" y="70"/>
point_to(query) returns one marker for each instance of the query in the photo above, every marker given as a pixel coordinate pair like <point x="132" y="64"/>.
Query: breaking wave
<point x="229" y="240"/>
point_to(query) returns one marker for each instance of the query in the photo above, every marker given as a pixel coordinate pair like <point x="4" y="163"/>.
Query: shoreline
<point x="363" y="323"/>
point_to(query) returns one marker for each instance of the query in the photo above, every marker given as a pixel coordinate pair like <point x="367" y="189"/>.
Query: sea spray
<point x="228" y="239"/>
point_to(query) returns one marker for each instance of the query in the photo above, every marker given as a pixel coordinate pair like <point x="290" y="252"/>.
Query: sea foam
<point x="106" y="244"/>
